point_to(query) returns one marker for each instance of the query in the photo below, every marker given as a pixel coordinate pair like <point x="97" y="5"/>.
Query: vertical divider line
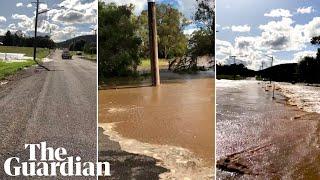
<point x="97" y="82"/>
<point x="215" y="93"/>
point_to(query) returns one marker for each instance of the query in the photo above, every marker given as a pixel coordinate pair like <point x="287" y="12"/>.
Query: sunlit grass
<point x="9" y="68"/>
<point x="146" y="64"/>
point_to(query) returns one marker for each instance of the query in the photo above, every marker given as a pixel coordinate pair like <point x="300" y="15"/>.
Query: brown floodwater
<point x="178" y="113"/>
<point x="263" y="138"/>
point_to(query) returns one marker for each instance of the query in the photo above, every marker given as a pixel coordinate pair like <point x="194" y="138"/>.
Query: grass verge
<point x="7" y="69"/>
<point x="91" y="57"/>
<point x="146" y="64"/>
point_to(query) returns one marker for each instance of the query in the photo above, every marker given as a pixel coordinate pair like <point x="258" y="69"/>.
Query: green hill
<point x="87" y="38"/>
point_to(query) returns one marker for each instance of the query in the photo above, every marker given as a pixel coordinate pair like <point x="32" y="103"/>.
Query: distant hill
<point x="281" y="72"/>
<point x="66" y="44"/>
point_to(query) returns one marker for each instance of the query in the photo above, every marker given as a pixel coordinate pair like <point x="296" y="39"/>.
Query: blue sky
<point x="251" y="29"/>
<point x="187" y="7"/>
<point x="66" y="18"/>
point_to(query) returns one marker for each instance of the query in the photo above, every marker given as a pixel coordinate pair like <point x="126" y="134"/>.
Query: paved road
<point x="58" y="107"/>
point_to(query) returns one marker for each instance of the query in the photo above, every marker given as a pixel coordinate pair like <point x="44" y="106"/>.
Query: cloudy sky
<point x="252" y="29"/>
<point x="187" y="7"/>
<point x="66" y="18"/>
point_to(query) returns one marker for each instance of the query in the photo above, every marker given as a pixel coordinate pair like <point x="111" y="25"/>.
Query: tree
<point x="90" y="48"/>
<point x="205" y="14"/>
<point x="78" y="45"/>
<point x="308" y="69"/>
<point x="315" y="40"/>
<point x="8" y="39"/>
<point x="18" y="40"/>
<point x="118" y="40"/>
<point x="202" y="41"/>
<point x="171" y="40"/>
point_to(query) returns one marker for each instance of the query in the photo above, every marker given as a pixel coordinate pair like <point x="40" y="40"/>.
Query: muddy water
<point x="179" y="113"/>
<point x="259" y="137"/>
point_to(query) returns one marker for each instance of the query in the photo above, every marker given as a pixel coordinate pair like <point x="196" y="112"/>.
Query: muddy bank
<point x="259" y="137"/>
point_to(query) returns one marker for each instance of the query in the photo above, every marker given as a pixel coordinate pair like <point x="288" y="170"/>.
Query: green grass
<point x="91" y="57"/>
<point x="146" y="64"/>
<point x="7" y="69"/>
<point x="28" y="51"/>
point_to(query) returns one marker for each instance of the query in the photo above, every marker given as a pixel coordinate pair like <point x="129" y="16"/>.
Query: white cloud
<point x="67" y="33"/>
<point x="305" y="10"/>
<point x="62" y="22"/>
<point x="224" y="49"/>
<point x="244" y="28"/>
<point x="3" y="19"/>
<point x="282" y="36"/>
<point x="276" y="36"/>
<point x="75" y="12"/>
<point x="12" y="27"/>
<point x="300" y="55"/>
<point x="226" y="28"/>
<point x="19" y="4"/>
<point x="278" y="13"/>
<point x="43" y="6"/>
<point x="138" y="4"/>
<point x="187" y="7"/>
<point x="189" y="31"/>
<point x="25" y="22"/>
<point x="312" y="28"/>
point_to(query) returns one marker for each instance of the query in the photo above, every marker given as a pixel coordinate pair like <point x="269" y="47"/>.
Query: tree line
<point x="16" y="39"/>
<point x="83" y="45"/>
<point x="124" y="37"/>
<point x="309" y="67"/>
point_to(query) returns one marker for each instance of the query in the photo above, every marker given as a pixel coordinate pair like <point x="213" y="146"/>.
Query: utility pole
<point x="153" y="43"/>
<point x="271" y="57"/>
<point x="234" y="63"/>
<point x="271" y="66"/>
<point x="35" y="43"/>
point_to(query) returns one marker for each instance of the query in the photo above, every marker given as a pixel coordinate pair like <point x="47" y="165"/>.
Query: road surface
<point x="58" y="107"/>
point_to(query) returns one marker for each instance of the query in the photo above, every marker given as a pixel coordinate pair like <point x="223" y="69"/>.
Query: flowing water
<point x="173" y="123"/>
<point x="259" y="137"/>
<point x="305" y="97"/>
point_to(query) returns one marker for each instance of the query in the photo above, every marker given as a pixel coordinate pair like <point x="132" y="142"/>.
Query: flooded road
<point x="258" y="137"/>
<point x="174" y="122"/>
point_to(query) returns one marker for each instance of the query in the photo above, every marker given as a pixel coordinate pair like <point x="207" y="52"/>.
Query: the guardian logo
<point x="53" y="162"/>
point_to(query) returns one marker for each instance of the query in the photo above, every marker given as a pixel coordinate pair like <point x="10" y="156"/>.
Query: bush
<point x="118" y="43"/>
